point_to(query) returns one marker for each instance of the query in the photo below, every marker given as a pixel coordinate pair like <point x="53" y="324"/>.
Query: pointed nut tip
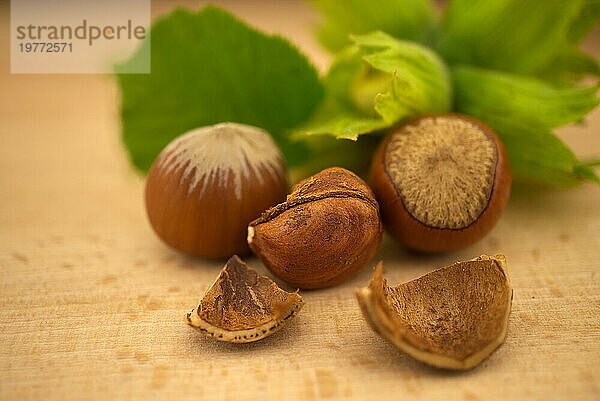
<point x="250" y="234"/>
<point x="363" y="293"/>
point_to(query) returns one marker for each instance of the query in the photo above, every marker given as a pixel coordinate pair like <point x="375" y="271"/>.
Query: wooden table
<point x="92" y="303"/>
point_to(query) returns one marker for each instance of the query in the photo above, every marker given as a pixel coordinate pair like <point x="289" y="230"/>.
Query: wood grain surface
<point x="92" y="304"/>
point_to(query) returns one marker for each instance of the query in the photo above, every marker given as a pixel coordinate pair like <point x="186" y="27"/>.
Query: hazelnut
<point x="442" y="182"/>
<point x="328" y="228"/>
<point x="208" y="184"/>
<point x="452" y="318"/>
<point x="243" y="306"/>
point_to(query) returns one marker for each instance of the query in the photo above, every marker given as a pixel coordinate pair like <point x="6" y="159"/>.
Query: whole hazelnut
<point x="328" y="228"/>
<point x="442" y="182"/>
<point x="208" y="184"/>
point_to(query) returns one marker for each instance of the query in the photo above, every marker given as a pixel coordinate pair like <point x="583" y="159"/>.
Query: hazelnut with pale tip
<point x="208" y="184"/>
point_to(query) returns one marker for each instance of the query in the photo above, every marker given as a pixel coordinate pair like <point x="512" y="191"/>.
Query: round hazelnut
<point x="328" y="228"/>
<point x="442" y="182"/>
<point x="208" y="184"/>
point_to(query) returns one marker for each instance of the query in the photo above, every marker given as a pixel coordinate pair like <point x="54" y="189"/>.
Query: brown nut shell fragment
<point x="452" y="318"/>
<point x="242" y="306"/>
<point x="328" y="228"/>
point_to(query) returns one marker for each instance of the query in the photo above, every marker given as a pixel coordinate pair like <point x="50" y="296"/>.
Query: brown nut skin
<point x="414" y="234"/>
<point x="328" y="228"/>
<point x="209" y="217"/>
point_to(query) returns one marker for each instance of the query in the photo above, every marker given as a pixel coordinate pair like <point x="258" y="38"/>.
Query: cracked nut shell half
<point x="243" y="306"/>
<point x="328" y="228"/>
<point x="452" y="318"/>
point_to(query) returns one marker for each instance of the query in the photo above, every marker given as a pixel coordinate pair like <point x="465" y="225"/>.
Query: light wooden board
<point x="92" y="304"/>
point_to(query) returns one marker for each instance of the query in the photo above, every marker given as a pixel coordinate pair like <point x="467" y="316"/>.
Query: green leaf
<point x="523" y="110"/>
<point x="585" y="21"/>
<point x="419" y="79"/>
<point x="377" y="83"/>
<point x="337" y="115"/>
<point x="209" y="67"/>
<point x="585" y="169"/>
<point x="520" y="36"/>
<point x="586" y="173"/>
<point x="572" y="64"/>
<point x="334" y="120"/>
<point x="539" y="156"/>
<point x="529" y="101"/>
<point x="327" y="151"/>
<point x="515" y="65"/>
<point x="404" y="19"/>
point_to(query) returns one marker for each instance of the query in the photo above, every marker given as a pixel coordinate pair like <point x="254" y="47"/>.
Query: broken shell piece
<point x="243" y="306"/>
<point x="451" y="318"/>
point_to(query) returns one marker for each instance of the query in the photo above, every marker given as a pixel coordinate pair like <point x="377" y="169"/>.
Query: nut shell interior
<point x="452" y="318"/>
<point x="243" y="306"/>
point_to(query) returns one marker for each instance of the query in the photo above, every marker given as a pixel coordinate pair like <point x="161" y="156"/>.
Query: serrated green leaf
<point x="404" y="19"/>
<point x="585" y="169"/>
<point x="337" y="118"/>
<point x="209" y="67"/>
<point x="523" y="110"/>
<point x="419" y="79"/>
<point x="341" y="124"/>
<point x="585" y="21"/>
<point x="376" y="83"/>
<point x="569" y="67"/>
<point x="586" y="173"/>
<point x="337" y="115"/>
<point x="571" y="64"/>
<point x="528" y="101"/>
<point x="516" y="65"/>
<point x="520" y="36"/>
<point x="539" y="156"/>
